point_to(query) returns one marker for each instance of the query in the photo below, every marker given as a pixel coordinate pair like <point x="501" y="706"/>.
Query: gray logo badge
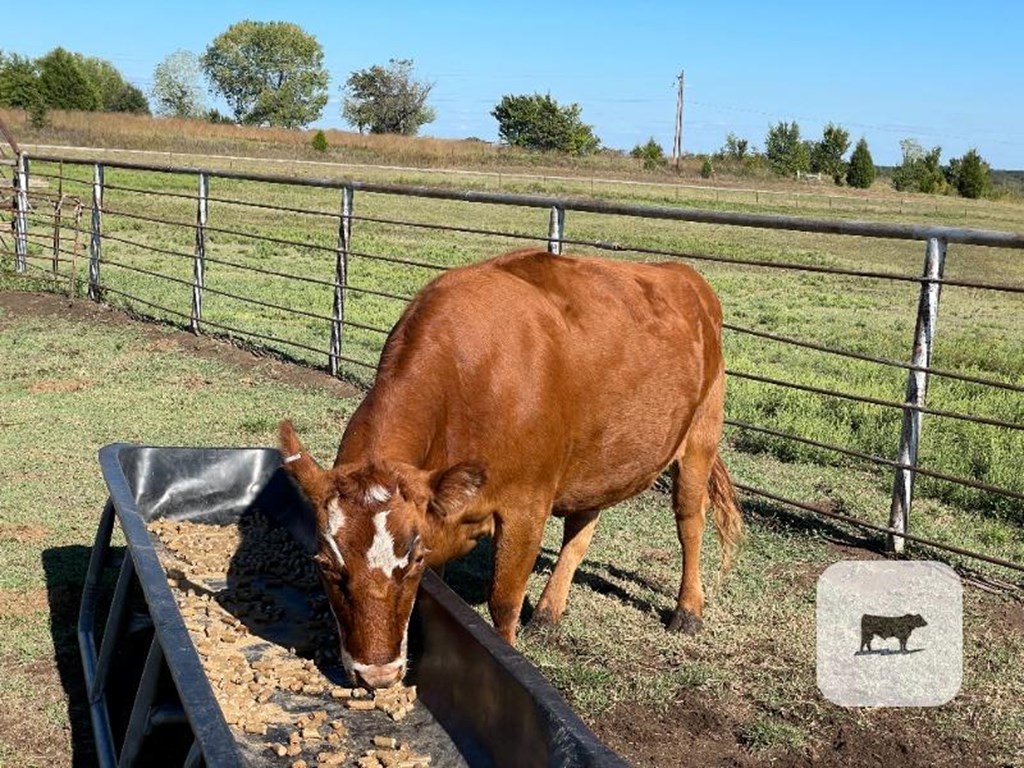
<point x="889" y="633"/>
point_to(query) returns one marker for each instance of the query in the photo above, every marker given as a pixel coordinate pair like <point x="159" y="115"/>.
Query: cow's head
<point x="374" y="529"/>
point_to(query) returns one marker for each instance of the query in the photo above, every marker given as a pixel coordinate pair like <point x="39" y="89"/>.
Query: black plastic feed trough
<point x="150" y="700"/>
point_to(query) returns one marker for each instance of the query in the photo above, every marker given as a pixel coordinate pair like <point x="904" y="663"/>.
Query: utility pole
<point x="677" y="146"/>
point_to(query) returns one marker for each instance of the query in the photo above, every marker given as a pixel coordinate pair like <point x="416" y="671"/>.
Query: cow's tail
<point x="725" y="510"/>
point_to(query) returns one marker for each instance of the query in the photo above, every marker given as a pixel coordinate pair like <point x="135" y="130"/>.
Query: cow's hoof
<point x="686" y="622"/>
<point x="542" y="624"/>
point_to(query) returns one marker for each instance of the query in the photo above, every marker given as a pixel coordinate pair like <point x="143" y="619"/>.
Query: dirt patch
<point x="162" y="337"/>
<point x="697" y="733"/>
<point x="14" y="602"/>
<point x="60" y="385"/>
<point x="803" y="575"/>
<point x="23" y="533"/>
<point x="889" y="737"/>
<point x="687" y="733"/>
<point x="24" y="721"/>
<point x="1002" y="615"/>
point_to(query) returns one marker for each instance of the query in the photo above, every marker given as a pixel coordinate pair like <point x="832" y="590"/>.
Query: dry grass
<point x="99" y="129"/>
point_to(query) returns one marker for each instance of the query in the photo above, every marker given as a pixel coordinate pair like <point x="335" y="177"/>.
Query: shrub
<point x="707" y="170"/>
<point x="861" y="171"/>
<point x="827" y="154"/>
<point x="539" y="122"/>
<point x="919" y="171"/>
<point x="650" y="154"/>
<point x="319" y="142"/>
<point x="970" y="175"/>
<point x="219" y="118"/>
<point x="38" y="116"/>
<point x="786" y="153"/>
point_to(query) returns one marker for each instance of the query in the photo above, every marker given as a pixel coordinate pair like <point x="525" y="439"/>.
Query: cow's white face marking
<point x="381" y="553"/>
<point x="335" y="521"/>
<point x="377" y="493"/>
<point x="336" y="517"/>
<point x="334" y="548"/>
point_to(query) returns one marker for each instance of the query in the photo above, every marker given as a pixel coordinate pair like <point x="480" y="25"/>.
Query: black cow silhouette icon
<point x="885" y="627"/>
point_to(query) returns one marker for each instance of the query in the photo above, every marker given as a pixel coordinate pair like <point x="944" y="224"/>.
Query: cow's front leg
<point x="516" y="544"/>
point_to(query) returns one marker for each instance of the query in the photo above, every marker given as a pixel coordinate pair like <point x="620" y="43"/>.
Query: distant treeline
<point x="65" y="80"/>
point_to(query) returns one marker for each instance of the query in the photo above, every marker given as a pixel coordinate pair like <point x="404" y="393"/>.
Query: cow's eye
<point x="328" y="568"/>
<point x="322" y="561"/>
<point x="416" y="565"/>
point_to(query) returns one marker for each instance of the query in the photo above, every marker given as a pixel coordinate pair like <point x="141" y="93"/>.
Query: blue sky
<point x="946" y="73"/>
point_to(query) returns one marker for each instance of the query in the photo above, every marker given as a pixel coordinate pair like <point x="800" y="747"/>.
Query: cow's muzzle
<point x="379" y="675"/>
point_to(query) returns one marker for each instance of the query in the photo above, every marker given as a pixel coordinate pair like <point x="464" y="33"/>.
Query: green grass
<point x="766" y="732"/>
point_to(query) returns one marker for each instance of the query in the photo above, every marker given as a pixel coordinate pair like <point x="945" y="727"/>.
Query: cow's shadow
<point x="888" y="652"/>
<point x="470" y="577"/>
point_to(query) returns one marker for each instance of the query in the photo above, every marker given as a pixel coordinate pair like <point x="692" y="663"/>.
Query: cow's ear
<point x="298" y="463"/>
<point x="453" y="489"/>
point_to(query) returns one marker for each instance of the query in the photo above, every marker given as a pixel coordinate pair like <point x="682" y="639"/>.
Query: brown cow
<point x="510" y="390"/>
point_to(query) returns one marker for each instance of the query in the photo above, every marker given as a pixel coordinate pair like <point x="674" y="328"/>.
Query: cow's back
<point x="579" y="376"/>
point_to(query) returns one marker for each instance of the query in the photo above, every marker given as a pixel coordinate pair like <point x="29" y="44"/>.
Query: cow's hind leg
<point x="577" y="533"/>
<point x="691" y="471"/>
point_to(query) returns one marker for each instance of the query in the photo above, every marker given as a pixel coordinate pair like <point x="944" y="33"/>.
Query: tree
<point x="539" y="122"/>
<point x="827" y="154"/>
<point x="969" y="174"/>
<point x="65" y="84"/>
<point x="920" y="170"/>
<point x="116" y="94"/>
<point x="19" y="82"/>
<point x="735" y="148"/>
<point x="387" y="99"/>
<point x="178" y="85"/>
<point x="650" y="154"/>
<point x="860" y="172"/>
<point x="270" y="73"/>
<point x="130" y="99"/>
<point x="785" y="152"/>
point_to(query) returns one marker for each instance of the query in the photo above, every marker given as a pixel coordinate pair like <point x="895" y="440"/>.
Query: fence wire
<point x="45" y="210"/>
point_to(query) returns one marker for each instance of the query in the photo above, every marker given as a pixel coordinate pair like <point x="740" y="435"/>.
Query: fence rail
<point x="43" y="209"/>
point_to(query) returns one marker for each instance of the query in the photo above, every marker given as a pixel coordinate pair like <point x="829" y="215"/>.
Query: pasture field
<point x="77" y="376"/>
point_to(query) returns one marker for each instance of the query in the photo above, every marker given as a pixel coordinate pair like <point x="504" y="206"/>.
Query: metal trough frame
<point x="148" y="693"/>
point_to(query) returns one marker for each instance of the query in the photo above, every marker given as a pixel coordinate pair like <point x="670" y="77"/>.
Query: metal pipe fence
<point x="108" y="223"/>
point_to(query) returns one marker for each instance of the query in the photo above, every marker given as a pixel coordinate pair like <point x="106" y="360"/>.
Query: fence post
<point x="341" y="276"/>
<point x="199" y="262"/>
<point x="556" y="230"/>
<point x="21" y="214"/>
<point x="917" y="388"/>
<point x="58" y="207"/>
<point x="96" y="232"/>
